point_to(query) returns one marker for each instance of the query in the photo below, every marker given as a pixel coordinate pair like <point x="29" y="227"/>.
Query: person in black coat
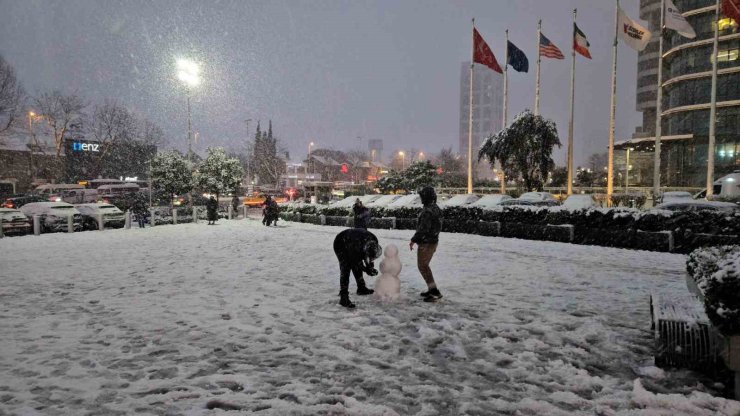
<point x="355" y="249"/>
<point x="140" y="209"/>
<point x="427" y="237"/>
<point x="362" y="215"/>
<point x="212" y="208"/>
<point x="235" y="206"/>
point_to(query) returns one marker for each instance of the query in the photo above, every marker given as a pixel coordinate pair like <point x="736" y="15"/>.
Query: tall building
<point x="487" y="109"/>
<point x="687" y="77"/>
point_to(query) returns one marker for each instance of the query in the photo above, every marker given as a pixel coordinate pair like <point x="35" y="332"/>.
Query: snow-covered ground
<point x="176" y="319"/>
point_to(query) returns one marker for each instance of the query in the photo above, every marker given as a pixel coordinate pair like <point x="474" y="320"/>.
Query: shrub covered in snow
<point x="716" y="271"/>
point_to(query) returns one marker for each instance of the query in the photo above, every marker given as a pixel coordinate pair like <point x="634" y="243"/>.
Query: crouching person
<point x="355" y="249"/>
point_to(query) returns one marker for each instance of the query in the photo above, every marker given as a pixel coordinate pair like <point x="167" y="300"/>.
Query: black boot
<point x="363" y="290"/>
<point x="433" y="295"/>
<point x="344" y="300"/>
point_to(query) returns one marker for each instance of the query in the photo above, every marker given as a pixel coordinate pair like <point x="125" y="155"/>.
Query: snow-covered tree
<point x="266" y="163"/>
<point x="219" y="173"/>
<point x="63" y="113"/>
<point x="171" y="174"/>
<point x="524" y="149"/>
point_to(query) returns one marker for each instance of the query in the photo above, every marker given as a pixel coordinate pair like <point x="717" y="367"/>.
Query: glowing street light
<point x="189" y="73"/>
<point x="403" y="159"/>
<point x="310" y="145"/>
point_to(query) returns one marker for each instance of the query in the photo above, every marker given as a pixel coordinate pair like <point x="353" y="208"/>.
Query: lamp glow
<point x="188" y="72"/>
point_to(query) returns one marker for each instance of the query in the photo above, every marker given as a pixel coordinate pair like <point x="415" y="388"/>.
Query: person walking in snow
<point x="212" y="208"/>
<point x="139" y="209"/>
<point x="235" y="205"/>
<point x="362" y="214"/>
<point x="269" y="211"/>
<point x="355" y="249"/>
<point x="429" y="225"/>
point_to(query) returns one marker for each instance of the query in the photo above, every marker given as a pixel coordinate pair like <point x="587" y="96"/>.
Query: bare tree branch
<point x="12" y="96"/>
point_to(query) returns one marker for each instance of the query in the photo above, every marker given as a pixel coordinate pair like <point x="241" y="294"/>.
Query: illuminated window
<point x="728" y="24"/>
<point x="728" y="55"/>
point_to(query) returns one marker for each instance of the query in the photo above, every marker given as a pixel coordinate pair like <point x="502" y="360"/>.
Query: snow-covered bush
<point x="716" y="271"/>
<point x="219" y="174"/>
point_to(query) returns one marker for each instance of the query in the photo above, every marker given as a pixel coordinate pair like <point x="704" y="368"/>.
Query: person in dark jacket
<point x="140" y="209"/>
<point x="362" y="214"/>
<point x="355" y="249"/>
<point x="212" y="208"/>
<point x="235" y="206"/>
<point x="270" y="211"/>
<point x="427" y="237"/>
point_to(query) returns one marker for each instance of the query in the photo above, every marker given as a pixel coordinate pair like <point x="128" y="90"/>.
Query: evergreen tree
<point x="266" y="163"/>
<point x="219" y="173"/>
<point x="524" y="149"/>
<point x="171" y="174"/>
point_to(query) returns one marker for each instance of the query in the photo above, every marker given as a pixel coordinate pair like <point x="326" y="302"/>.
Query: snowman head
<point x="391" y="251"/>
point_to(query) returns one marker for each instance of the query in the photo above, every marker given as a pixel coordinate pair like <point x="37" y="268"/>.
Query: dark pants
<point x="344" y="269"/>
<point x="423" y="258"/>
<point x="141" y="220"/>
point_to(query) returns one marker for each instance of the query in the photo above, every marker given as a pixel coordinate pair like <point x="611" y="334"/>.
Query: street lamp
<point x="189" y="73"/>
<point x="308" y="162"/>
<point x="403" y="159"/>
<point x="421" y="155"/>
<point x="627" y="172"/>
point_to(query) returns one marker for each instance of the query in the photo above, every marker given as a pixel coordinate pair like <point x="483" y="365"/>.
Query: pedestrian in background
<point x="362" y="215"/>
<point x="429" y="225"/>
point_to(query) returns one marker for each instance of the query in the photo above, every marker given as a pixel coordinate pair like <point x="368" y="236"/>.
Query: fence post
<point x="393" y="223"/>
<point x="299" y="217"/>
<point x="231" y="212"/>
<point x="195" y="214"/>
<point x="36" y="225"/>
<point x="101" y="223"/>
<point x="152" y="221"/>
<point x="70" y="224"/>
<point x="127" y="221"/>
<point x="322" y="219"/>
<point x="245" y="211"/>
<point x="1" y="228"/>
<point x="174" y="216"/>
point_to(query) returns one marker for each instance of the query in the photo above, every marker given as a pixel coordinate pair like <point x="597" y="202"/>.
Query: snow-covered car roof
<point x="344" y="203"/>
<point x="383" y="201"/>
<point x="676" y="194"/>
<point x="37" y="208"/>
<point x="460" y="200"/>
<point x="366" y="199"/>
<point x="490" y="201"/>
<point x="412" y="200"/>
<point x="698" y="205"/>
<point x="537" y="196"/>
<point x="579" y="201"/>
<point x="96" y="207"/>
<point x="11" y="213"/>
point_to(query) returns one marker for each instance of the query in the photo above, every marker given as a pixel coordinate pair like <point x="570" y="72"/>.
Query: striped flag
<point x="580" y="43"/>
<point x="548" y="49"/>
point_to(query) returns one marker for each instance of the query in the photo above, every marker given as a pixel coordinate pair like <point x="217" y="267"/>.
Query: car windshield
<point x="61" y="207"/>
<point x="107" y="207"/>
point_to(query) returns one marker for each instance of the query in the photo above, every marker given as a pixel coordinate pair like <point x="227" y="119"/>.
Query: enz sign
<point x="85" y="147"/>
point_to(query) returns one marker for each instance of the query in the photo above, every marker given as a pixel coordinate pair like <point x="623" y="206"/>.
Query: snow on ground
<point x="179" y="319"/>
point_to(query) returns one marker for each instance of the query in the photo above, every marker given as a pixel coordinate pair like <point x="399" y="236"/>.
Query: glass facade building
<point x="687" y="77"/>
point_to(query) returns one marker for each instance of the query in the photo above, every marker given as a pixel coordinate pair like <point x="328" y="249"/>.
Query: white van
<point x="55" y="191"/>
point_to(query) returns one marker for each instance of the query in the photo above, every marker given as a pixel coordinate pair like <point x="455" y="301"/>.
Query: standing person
<point x="212" y="208"/>
<point x="355" y="249"/>
<point x="427" y="237"/>
<point x="140" y="209"/>
<point x="235" y="205"/>
<point x="362" y="214"/>
<point x="267" y="211"/>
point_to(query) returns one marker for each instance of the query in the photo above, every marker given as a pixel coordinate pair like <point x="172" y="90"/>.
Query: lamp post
<point x="308" y="162"/>
<point x="421" y="155"/>
<point x="403" y="159"/>
<point x="31" y="115"/>
<point x="627" y="173"/>
<point x="189" y="73"/>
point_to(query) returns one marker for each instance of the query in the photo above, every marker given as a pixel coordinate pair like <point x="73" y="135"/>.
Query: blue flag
<point x="517" y="59"/>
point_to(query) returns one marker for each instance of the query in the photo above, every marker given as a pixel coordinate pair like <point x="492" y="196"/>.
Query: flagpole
<point x="610" y="169"/>
<point x="658" y="106"/>
<point x="537" y="76"/>
<point x="569" y="161"/>
<point x="506" y="82"/>
<point x="713" y="108"/>
<point x="470" y="109"/>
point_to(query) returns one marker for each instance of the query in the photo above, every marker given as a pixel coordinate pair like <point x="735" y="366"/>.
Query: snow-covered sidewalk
<point x="177" y="319"/>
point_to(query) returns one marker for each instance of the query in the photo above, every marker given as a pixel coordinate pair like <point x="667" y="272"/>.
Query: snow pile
<point x="237" y="316"/>
<point x="716" y="271"/>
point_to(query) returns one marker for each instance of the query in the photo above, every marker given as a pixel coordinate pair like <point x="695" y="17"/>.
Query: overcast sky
<point x="323" y="71"/>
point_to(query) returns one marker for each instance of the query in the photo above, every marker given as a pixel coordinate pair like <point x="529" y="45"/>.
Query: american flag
<point x="548" y="50"/>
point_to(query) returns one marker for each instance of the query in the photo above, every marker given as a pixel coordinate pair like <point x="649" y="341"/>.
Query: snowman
<point x="388" y="285"/>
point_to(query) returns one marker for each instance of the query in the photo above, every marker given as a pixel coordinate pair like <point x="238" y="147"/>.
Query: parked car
<point x="406" y="201"/>
<point x="112" y="216"/>
<point x="459" y="200"/>
<point x="698" y="205"/>
<point x="79" y="196"/>
<point x="538" y="199"/>
<point x="17" y="201"/>
<point x="579" y="201"/>
<point x="53" y="215"/>
<point x="14" y="222"/>
<point x="677" y="196"/>
<point x="490" y="201"/>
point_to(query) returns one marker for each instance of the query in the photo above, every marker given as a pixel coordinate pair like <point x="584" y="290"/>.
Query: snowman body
<point x="388" y="285"/>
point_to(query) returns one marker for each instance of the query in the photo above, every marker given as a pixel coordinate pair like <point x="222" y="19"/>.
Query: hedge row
<point x="716" y="271"/>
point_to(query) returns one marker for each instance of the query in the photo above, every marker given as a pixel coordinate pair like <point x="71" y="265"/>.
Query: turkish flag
<point x="731" y="9"/>
<point x="482" y="53"/>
